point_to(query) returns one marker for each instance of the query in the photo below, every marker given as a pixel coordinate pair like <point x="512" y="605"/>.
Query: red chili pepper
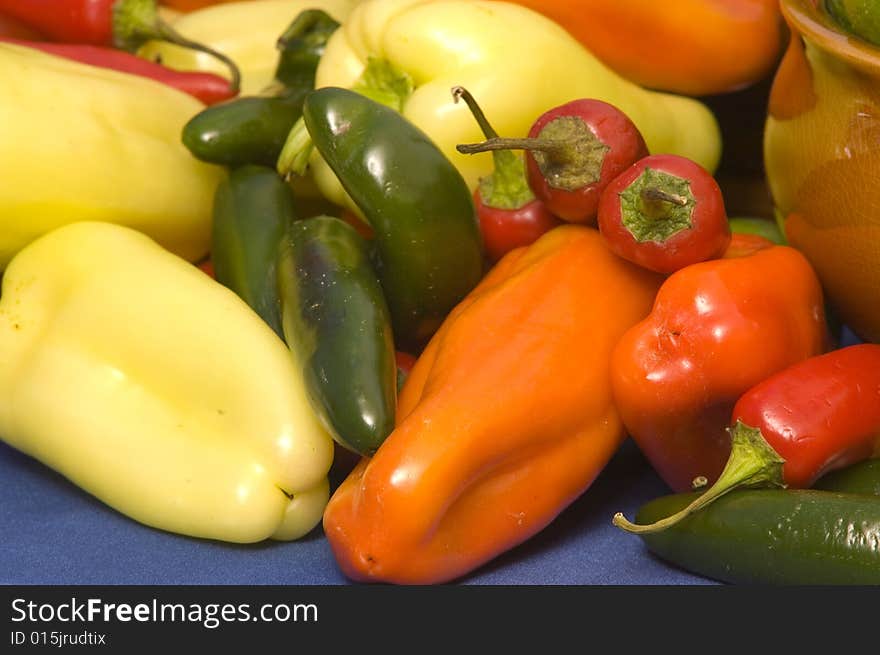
<point x="207" y="87"/>
<point x="815" y="416"/>
<point x="124" y="24"/>
<point x="572" y="153"/>
<point x="663" y="213"/>
<point x="509" y="213"/>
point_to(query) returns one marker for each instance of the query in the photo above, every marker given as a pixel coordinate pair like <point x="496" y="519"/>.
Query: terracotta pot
<point x="822" y="158"/>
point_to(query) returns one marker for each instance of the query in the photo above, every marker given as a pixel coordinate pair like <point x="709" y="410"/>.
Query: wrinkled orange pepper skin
<point x="717" y="328"/>
<point x="692" y="47"/>
<point x="505" y="419"/>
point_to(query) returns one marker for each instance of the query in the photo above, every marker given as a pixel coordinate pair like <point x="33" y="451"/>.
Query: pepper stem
<point x="553" y="146"/>
<point x="752" y="463"/>
<point x="302" y="45"/>
<point x="567" y="152"/>
<point x="507" y="187"/>
<point x="137" y="21"/>
<point x="659" y="195"/>
<point x="294" y="157"/>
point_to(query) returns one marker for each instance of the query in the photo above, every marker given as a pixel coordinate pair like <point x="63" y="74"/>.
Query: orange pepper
<point x="505" y="419"/>
<point x="717" y="329"/>
<point x="693" y="47"/>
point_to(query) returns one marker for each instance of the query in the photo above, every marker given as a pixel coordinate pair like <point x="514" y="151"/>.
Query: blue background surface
<point x="54" y="533"/>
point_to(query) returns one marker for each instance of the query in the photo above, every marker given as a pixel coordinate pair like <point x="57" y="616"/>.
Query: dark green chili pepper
<point x="792" y="536"/>
<point x="338" y="328"/>
<point x="427" y="242"/>
<point x="252" y="211"/>
<point x="252" y="130"/>
<point x="861" y="478"/>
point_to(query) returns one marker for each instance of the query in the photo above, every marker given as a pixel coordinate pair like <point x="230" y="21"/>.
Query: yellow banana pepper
<point x="85" y="143"/>
<point x="246" y="32"/>
<point x="515" y="61"/>
<point x="156" y="389"/>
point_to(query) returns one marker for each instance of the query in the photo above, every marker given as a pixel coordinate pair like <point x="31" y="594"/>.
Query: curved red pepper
<point x="820" y="414"/>
<point x="71" y="21"/>
<point x="124" y="24"/>
<point x="207" y="87"/>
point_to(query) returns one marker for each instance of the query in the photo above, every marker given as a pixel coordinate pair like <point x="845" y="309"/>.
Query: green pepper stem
<point x="507" y="187"/>
<point x="137" y="21"/>
<point x="752" y="463"/>
<point x="552" y="146"/>
<point x="460" y="93"/>
<point x="294" y="157"/>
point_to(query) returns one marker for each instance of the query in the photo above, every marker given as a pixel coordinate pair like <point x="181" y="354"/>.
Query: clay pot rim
<point x="806" y="19"/>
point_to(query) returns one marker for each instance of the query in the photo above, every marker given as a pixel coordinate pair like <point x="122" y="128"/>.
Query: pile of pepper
<point x="445" y="235"/>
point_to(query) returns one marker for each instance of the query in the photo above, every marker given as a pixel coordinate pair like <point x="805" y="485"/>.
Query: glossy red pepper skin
<point x="717" y="329"/>
<point x="655" y="233"/>
<point x="207" y="87"/>
<point x="71" y="21"/>
<point x="820" y="414"/>
<point x="504" y="229"/>
<point x="610" y="126"/>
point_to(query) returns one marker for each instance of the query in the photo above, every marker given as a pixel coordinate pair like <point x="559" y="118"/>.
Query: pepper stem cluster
<point x="567" y="152"/>
<point x="507" y="187"/>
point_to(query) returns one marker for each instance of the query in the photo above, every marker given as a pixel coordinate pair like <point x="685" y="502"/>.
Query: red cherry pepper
<point x="663" y="213"/>
<point x="813" y="417"/>
<point x="572" y="153"/>
<point x="509" y="213"/>
<point x="207" y="87"/>
<point x="124" y="24"/>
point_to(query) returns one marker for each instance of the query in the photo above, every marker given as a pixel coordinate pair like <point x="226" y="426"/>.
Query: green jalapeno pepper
<point x="427" y="253"/>
<point x="338" y="328"/>
<point x="792" y="536"/>
<point x="861" y="478"/>
<point x="252" y="130"/>
<point x="252" y="211"/>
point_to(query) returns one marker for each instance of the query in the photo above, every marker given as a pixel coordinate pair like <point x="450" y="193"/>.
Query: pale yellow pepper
<point x="246" y="32"/>
<point x="86" y="143"/>
<point x="156" y="389"/>
<point x="516" y="62"/>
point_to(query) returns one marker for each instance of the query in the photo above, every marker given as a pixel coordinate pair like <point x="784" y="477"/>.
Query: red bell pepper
<point x="207" y="87"/>
<point x="716" y="330"/>
<point x="818" y="415"/>
<point x="124" y="24"/>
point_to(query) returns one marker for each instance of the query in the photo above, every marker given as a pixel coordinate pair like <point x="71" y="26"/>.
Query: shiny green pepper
<point x="252" y="129"/>
<point x="338" y="327"/>
<point x="252" y="211"/>
<point x="428" y="253"/>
